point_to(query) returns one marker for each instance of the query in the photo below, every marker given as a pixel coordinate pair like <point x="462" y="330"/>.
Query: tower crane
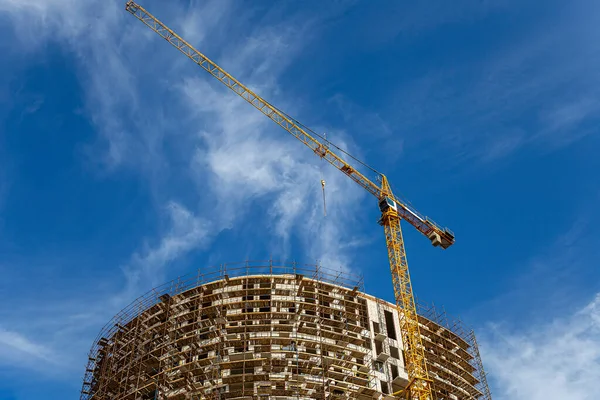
<point x="393" y="209"/>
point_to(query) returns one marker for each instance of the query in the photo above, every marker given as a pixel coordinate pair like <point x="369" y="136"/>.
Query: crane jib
<point x="423" y="225"/>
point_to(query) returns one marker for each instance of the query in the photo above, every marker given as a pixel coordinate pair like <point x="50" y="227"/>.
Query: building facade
<point x="255" y="331"/>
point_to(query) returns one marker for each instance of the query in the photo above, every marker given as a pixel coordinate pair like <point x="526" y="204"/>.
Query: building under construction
<point x="282" y="332"/>
<point x="267" y="331"/>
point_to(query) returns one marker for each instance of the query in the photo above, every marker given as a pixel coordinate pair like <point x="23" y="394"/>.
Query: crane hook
<point x="324" y="204"/>
<point x="323" y="180"/>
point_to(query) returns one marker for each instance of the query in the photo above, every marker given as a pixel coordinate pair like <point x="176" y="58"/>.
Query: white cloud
<point x="143" y="126"/>
<point x="502" y="146"/>
<point x="15" y="346"/>
<point x="541" y="344"/>
<point x="146" y="269"/>
<point x="160" y="116"/>
<point x="247" y="157"/>
<point x="564" y="122"/>
<point x="553" y="361"/>
<point x="203" y="17"/>
<point x="37" y="21"/>
<point x="568" y="114"/>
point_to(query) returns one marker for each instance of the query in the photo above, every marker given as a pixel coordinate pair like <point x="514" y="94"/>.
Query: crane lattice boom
<point x="392" y="208"/>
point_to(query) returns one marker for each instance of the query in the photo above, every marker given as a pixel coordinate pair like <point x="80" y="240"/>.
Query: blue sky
<point x="123" y="165"/>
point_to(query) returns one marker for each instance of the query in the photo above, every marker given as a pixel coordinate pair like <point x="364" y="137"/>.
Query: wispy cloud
<point x="397" y="20"/>
<point x="549" y="282"/>
<point x="15" y="346"/>
<point x="552" y="361"/>
<point x="258" y="164"/>
<point x="248" y="161"/>
<point x="541" y="339"/>
<point x="570" y="113"/>
<point x="146" y="268"/>
<point x="373" y="130"/>
<point x="38" y="20"/>
<point x="535" y="92"/>
<point x="210" y="161"/>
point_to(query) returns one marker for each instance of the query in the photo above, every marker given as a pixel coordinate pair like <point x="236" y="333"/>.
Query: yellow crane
<point x="392" y="208"/>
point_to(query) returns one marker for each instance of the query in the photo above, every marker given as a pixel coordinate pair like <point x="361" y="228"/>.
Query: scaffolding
<point x="267" y="330"/>
<point x="253" y="330"/>
<point x="452" y="356"/>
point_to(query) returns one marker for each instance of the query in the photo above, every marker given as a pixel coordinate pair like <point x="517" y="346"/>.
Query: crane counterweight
<point x="435" y="238"/>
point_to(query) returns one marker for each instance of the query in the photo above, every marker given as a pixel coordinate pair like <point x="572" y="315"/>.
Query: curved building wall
<point x="268" y="332"/>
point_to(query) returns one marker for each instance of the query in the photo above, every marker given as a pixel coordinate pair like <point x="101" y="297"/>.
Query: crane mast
<point x="393" y="209"/>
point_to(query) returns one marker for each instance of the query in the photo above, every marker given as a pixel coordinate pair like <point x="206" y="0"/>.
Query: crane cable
<point x="323" y="181"/>
<point x="327" y="142"/>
